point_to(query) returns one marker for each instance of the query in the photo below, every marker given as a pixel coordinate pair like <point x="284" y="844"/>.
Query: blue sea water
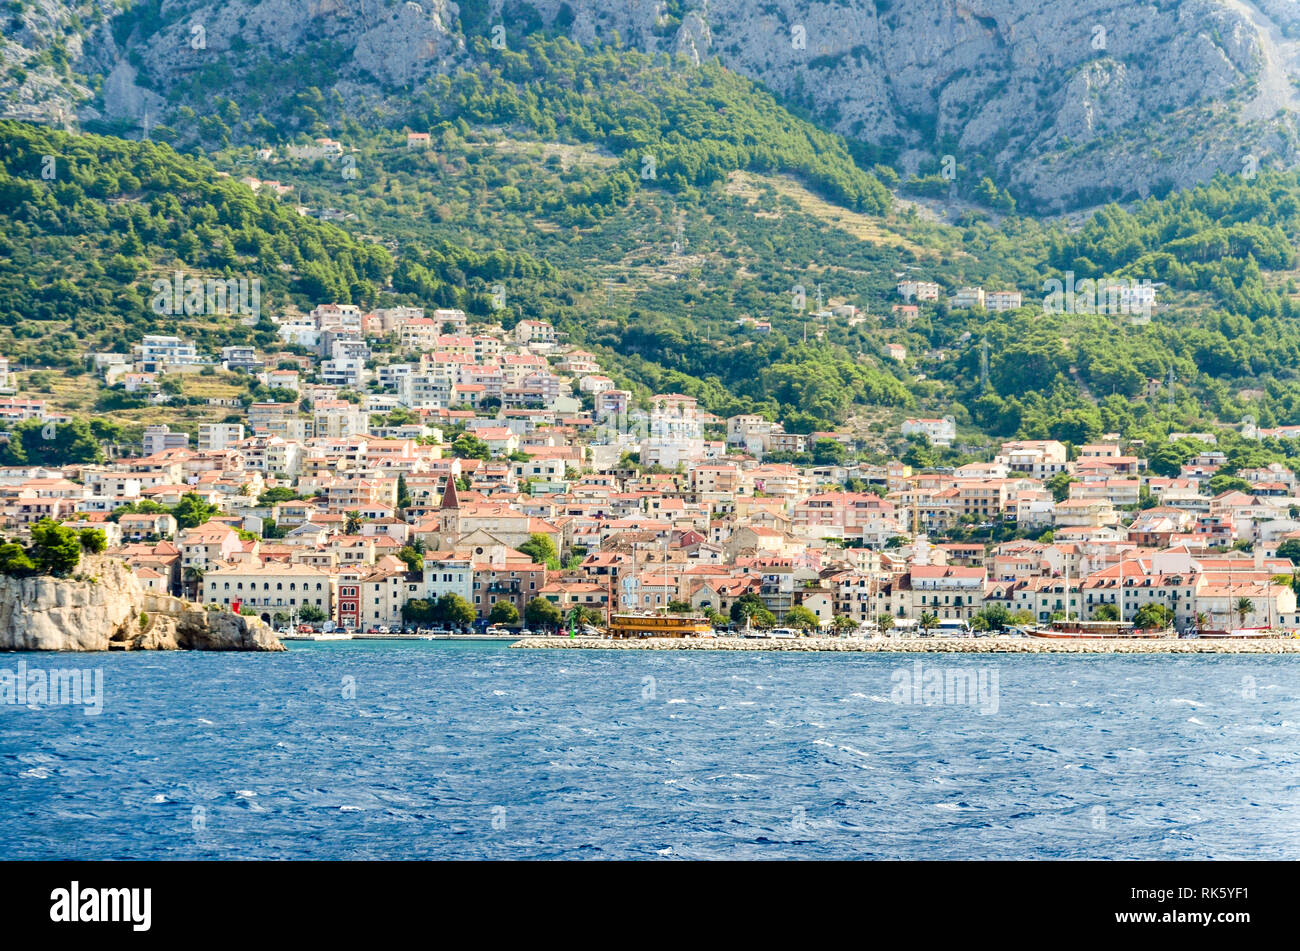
<point x="436" y="750"/>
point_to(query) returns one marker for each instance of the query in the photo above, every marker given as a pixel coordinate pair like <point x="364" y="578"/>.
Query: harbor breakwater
<point x="929" y="645"/>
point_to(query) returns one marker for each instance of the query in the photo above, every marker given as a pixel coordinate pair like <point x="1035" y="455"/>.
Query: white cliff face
<point x="408" y="45"/>
<point x="106" y="608"/>
<point x="1059" y="100"/>
<point x="392" y="42"/>
<point x="39" y="91"/>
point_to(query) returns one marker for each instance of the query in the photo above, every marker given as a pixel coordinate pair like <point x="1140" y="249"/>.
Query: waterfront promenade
<point x="932" y="645"/>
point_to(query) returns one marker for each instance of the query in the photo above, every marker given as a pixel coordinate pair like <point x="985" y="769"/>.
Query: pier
<point x="930" y="645"/>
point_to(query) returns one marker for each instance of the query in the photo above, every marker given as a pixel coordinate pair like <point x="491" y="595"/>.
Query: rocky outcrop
<point x="104" y="607"/>
<point x="384" y="45"/>
<point x="1065" y="103"/>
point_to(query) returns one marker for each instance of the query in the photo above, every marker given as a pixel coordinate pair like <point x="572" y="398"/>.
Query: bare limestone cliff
<point x="1059" y="101"/>
<point x="104" y="607"/>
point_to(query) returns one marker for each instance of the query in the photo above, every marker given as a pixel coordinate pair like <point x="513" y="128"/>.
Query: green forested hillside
<point x="648" y="209"/>
<point x="82" y="242"/>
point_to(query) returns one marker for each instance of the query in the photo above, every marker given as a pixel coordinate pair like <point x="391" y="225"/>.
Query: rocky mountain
<point x="1063" y="103"/>
<point x="1060" y="100"/>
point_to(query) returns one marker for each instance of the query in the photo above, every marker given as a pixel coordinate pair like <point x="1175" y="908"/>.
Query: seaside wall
<point x="930" y="645"/>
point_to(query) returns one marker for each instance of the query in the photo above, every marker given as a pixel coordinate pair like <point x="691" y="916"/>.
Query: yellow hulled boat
<point x="658" y="625"/>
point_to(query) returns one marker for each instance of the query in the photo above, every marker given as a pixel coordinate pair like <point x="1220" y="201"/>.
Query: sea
<point x="438" y="750"/>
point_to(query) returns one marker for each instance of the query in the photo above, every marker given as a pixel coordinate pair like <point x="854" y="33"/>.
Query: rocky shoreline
<point x="104" y="607"/>
<point x="928" y="645"/>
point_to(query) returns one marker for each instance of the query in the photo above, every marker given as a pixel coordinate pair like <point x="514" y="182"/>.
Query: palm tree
<point x="353" y="524"/>
<point x="1201" y="620"/>
<point x="928" y="621"/>
<point x="1244" y="607"/>
<point x="886" y="621"/>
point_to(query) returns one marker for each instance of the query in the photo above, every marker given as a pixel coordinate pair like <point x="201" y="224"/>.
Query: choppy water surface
<point x="436" y="750"/>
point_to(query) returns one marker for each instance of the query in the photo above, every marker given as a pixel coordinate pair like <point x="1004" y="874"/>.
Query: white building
<point x="1002" y="300"/>
<point x="967" y="297"/>
<point x="613" y="404"/>
<point x="456" y="318"/>
<point x="1120" y="297"/>
<point x="159" y="438"/>
<point x="940" y="432"/>
<point x="426" y="388"/>
<point x="675" y="432"/>
<point x="345" y="371"/>
<point x="302" y="331"/>
<point x="448" y="576"/>
<point x="216" y="436"/>
<point x="918" y="290"/>
<point x="157" y="351"/>
<point x="339" y="419"/>
<point x="269" y="589"/>
<point x="534" y="333"/>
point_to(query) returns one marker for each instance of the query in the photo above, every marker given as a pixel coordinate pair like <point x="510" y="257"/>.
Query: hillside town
<point x="498" y="476"/>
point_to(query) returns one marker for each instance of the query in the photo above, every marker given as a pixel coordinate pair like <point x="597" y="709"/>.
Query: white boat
<point x="783" y="632"/>
<point x="1244" y="632"/>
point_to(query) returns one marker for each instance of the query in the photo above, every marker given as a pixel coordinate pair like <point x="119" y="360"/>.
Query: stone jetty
<point x="929" y="645"/>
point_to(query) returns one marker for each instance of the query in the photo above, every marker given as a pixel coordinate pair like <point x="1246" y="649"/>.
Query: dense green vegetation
<point x="683" y="128"/>
<point x="90" y="221"/>
<point x="52" y="549"/>
<point x="52" y="444"/>
<point x="648" y="208"/>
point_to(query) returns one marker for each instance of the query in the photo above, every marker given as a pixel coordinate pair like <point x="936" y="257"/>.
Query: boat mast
<point x="1230" y="606"/>
<point x="1067" y="589"/>
<point x="1268" y="601"/>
